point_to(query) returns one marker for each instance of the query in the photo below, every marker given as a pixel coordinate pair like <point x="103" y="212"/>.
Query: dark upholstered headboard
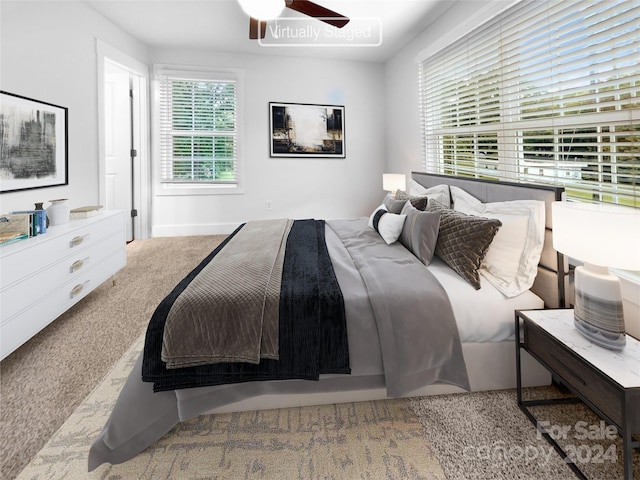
<point x="552" y="281"/>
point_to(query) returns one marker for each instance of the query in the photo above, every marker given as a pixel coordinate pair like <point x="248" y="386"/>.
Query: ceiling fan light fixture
<point x="262" y="9"/>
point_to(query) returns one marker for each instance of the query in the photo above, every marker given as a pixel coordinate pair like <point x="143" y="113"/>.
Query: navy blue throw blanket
<point x="313" y="331"/>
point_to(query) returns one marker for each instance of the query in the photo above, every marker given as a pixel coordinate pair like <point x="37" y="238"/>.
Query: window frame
<point x="205" y="74"/>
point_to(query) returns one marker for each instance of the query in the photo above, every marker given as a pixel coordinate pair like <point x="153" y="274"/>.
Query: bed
<point x="378" y="343"/>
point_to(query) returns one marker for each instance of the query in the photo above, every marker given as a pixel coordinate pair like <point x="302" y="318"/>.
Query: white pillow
<point x="511" y="263"/>
<point x="388" y="225"/>
<point x="440" y="193"/>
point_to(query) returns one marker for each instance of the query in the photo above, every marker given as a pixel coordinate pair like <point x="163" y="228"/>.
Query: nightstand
<point x="605" y="380"/>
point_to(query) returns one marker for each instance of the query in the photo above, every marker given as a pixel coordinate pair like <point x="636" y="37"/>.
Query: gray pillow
<point x="420" y="202"/>
<point x="420" y="232"/>
<point x="393" y="205"/>
<point x="463" y="240"/>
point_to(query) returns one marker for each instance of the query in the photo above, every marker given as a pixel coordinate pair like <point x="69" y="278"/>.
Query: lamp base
<point x="603" y="339"/>
<point x="598" y="313"/>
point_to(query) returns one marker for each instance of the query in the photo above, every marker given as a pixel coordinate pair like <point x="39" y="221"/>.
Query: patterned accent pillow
<point x="511" y="263"/>
<point x="463" y="240"/>
<point x="388" y="225"/>
<point x="420" y="232"/>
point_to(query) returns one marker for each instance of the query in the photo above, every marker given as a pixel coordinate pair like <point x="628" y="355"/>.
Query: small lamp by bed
<point x="392" y="182"/>
<point x="601" y="236"/>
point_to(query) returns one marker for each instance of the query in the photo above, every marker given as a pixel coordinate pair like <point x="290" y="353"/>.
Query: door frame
<point x="141" y="170"/>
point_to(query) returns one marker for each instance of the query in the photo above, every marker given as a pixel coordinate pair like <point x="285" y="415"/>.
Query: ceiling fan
<point x="271" y="9"/>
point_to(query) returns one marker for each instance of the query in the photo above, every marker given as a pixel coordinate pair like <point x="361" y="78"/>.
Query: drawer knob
<point x="77" y="265"/>
<point x="78" y="289"/>
<point x="75" y="241"/>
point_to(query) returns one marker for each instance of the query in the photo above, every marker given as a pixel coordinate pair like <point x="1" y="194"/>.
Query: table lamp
<point x="601" y="236"/>
<point x="393" y="181"/>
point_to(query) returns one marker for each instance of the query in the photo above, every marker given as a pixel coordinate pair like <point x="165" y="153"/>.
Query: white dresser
<point x="44" y="276"/>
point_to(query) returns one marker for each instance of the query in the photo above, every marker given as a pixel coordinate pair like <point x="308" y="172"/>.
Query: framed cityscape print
<point x="33" y="143"/>
<point x="306" y="130"/>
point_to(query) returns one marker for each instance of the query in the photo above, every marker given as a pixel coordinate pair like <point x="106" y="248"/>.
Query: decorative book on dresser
<point x="43" y="276"/>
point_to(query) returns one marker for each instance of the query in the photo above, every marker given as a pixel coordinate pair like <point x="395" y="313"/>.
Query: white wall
<point x="401" y="74"/>
<point x="48" y="52"/>
<point x="296" y="187"/>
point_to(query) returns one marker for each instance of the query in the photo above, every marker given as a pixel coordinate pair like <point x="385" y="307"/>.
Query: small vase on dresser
<point x="58" y="211"/>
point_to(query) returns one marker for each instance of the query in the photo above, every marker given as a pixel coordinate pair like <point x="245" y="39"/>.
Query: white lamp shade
<point x="262" y="9"/>
<point x="600" y="234"/>
<point x="393" y="181"/>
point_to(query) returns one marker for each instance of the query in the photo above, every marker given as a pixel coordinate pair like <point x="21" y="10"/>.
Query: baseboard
<point x="187" y="230"/>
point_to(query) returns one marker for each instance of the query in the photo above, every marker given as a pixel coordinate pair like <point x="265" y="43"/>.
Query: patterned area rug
<point x="365" y="440"/>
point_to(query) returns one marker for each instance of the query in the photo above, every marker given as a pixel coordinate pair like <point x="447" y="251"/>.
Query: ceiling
<point x="379" y="28"/>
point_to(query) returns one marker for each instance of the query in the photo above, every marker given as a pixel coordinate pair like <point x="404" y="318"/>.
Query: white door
<point x="118" y="142"/>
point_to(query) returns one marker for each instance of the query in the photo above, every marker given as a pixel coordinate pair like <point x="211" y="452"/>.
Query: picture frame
<point x="306" y="130"/>
<point x="33" y="143"/>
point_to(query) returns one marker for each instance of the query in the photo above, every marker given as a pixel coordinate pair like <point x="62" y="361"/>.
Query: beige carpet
<point x="44" y="381"/>
<point x="366" y="440"/>
<point x="485" y="435"/>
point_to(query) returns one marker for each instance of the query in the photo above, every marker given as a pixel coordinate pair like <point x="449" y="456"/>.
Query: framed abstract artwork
<point x="33" y="143"/>
<point x="306" y="130"/>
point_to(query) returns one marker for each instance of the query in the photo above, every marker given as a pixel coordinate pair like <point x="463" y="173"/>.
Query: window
<point x="546" y="92"/>
<point x="198" y="128"/>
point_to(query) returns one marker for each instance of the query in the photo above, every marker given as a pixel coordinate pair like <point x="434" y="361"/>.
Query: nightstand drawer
<point x="600" y="391"/>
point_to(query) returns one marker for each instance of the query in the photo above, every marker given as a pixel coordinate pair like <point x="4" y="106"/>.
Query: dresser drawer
<point x="57" y="244"/>
<point x="20" y="295"/>
<point x="45" y="275"/>
<point x="21" y="327"/>
<point x="597" y="389"/>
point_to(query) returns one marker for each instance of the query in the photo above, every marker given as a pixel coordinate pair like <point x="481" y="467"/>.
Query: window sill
<point x="168" y="189"/>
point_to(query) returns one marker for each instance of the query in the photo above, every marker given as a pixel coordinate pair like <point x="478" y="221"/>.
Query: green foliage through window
<point x="198" y="131"/>
<point x="546" y="92"/>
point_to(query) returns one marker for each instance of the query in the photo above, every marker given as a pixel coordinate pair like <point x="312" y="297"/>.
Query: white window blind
<point x="198" y="130"/>
<point x="547" y="92"/>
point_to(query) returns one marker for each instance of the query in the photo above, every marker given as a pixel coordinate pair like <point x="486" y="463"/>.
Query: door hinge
<point x="134" y="213"/>
<point x="134" y="153"/>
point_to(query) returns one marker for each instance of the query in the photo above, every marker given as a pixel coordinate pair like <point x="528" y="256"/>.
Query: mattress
<point x="484" y="315"/>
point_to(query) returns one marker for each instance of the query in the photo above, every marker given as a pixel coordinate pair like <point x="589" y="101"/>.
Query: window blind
<point x="198" y="130"/>
<point x="546" y="92"/>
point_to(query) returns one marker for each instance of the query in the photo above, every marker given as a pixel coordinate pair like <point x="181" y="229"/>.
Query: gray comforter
<point x="401" y="333"/>
<point x="417" y="332"/>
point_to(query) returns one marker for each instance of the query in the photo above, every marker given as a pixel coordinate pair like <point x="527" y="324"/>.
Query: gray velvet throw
<point x="232" y="305"/>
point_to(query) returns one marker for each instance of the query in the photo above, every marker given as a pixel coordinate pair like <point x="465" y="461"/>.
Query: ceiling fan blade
<point x="317" y="11"/>
<point x="257" y="28"/>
